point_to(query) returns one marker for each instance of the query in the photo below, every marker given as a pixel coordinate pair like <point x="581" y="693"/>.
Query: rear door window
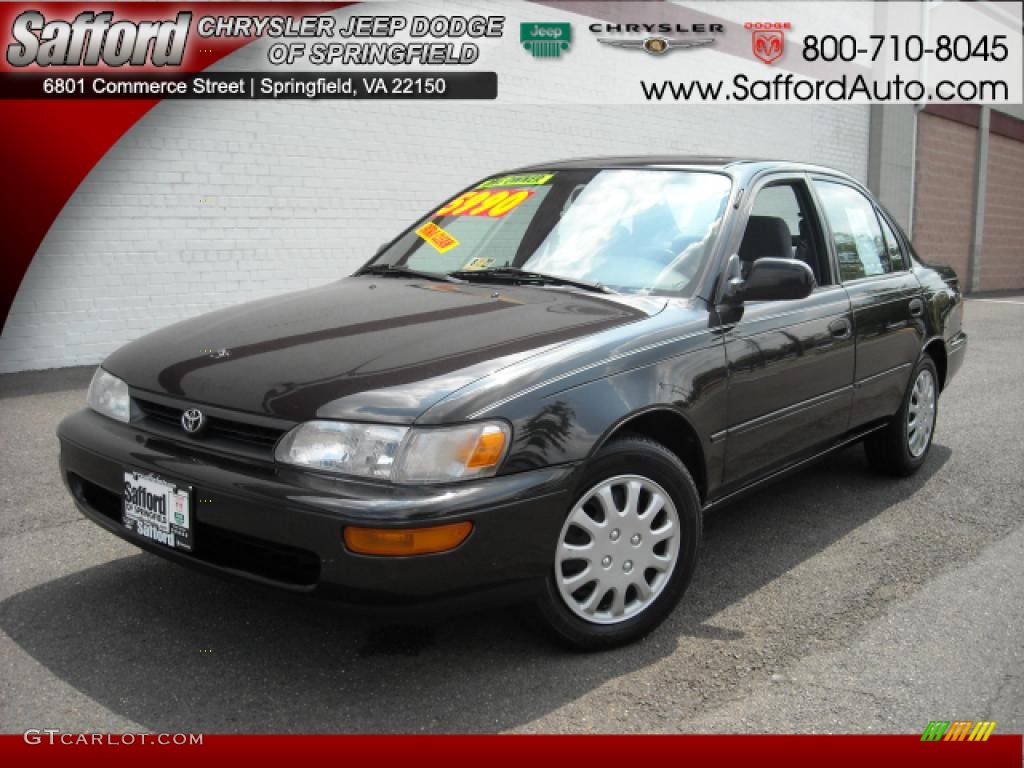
<point x="860" y="246"/>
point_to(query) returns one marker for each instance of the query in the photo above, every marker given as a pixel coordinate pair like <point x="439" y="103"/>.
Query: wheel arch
<point x="669" y="427"/>
<point x="936" y="350"/>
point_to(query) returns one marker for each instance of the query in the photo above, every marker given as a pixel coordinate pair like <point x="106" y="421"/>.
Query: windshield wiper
<point x="515" y="274"/>
<point x="397" y="270"/>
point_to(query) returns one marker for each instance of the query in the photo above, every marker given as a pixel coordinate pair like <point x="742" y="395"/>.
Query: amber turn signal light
<point x="488" y="449"/>
<point x="396" y="542"/>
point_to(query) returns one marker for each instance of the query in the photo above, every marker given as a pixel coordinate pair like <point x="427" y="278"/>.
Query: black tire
<point x="888" y="450"/>
<point x="631" y="455"/>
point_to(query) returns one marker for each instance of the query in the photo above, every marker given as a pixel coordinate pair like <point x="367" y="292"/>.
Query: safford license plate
<point x="158" y="510"/>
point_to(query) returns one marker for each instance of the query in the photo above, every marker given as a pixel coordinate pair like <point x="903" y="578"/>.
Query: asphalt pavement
<point x="834" y="601"/>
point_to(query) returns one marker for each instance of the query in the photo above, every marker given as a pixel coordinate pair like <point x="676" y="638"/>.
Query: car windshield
<point x="631" y="231"/>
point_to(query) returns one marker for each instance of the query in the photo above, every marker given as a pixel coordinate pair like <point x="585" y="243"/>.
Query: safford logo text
<point x="95" y="37"/>
<point x="143" y="499"/>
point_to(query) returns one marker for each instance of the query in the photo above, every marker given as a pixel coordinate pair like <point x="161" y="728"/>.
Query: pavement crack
<point x="993" y="700"/>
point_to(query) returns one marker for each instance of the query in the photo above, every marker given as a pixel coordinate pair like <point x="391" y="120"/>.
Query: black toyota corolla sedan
<point x="535" y="392"/>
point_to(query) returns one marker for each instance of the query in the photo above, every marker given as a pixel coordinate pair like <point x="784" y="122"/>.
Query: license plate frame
<point x="158" y="510"/>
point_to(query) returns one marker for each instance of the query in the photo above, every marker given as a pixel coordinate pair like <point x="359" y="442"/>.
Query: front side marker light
<point x="448" y="454"/>
<point x="489" y="449"/>
<point x="398" y="542"/>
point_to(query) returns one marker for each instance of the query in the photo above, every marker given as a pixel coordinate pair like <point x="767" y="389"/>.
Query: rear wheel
<point x="627" y="549"/>
<point x="902" y="446"/>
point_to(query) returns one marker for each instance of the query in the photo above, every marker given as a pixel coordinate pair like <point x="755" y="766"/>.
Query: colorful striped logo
<point x="958" y="730"/>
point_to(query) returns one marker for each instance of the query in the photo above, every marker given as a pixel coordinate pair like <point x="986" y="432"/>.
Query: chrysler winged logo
<point x="193" y="420"/>
<point x="656" y="46"/>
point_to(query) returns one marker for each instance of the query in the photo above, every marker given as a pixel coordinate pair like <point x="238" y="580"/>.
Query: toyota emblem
<point x="193" y="420"/>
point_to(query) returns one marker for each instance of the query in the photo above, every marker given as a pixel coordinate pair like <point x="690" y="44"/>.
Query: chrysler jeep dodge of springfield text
<point x="533" y="393"/>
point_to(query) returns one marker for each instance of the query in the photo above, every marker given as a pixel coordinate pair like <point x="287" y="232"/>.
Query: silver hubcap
<point x="617" y="549"/>
<point x="921" y="413"/>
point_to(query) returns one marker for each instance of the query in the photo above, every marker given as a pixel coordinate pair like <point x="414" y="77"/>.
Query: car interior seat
<point x="804" y="250"/>
<point x="766" y="236"/>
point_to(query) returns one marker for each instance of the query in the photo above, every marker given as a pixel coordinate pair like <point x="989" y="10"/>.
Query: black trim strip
<point x="861" y="382"/>
<point x="789" y="410"/>
<point x="779" y="473"/>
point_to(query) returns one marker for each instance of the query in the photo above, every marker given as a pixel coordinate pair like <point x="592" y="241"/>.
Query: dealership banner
<point x="545" y="52"/>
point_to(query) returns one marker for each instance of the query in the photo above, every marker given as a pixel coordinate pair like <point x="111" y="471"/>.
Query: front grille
<point x="217" y="427"/>
<point x="218" y="546"/>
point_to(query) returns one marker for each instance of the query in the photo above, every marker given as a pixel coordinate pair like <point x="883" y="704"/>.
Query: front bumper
<point x="284" y="527"/>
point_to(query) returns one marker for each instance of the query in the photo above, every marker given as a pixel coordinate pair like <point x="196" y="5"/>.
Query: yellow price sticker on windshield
<point x="437" y="237"/>
<point x="518" y="180"/>
<point x="493" y="203"/>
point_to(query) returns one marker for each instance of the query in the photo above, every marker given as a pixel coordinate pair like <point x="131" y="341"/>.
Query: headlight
<point x="400" y="454"/>
<point x="367" y="450"/>
<point x="109" y="395"/>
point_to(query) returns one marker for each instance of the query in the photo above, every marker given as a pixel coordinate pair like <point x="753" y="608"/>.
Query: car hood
<point x="377" y="347"/>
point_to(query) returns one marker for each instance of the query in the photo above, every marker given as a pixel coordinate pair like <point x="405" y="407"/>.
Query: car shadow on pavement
<point x="174" y="650"/>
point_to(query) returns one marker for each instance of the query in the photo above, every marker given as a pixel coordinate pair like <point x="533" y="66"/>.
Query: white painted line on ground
<point x="999" y="301"/>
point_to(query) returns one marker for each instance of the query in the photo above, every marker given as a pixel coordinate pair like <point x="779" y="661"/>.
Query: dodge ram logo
<point x="768" y="46"/>
<point x="193" y="420"/>
<point x="768" y="39"/>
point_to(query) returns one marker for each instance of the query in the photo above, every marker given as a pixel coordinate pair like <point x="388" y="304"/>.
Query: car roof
<point x="740" y="166"/>
<point x="636" y="161"/>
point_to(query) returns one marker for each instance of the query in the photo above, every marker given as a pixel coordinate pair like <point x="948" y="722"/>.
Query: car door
<point x="790" y="363"/>
<point x="886" y="297"/>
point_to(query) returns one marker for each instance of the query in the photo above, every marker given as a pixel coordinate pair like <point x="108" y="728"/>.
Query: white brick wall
<point x="303" y="192"/>
<point x="207" y="204"/>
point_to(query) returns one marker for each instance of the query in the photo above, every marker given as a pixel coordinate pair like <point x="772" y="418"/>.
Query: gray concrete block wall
<point x="891" y="163"/>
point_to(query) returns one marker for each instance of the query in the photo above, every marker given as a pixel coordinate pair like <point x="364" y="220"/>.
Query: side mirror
<point x="772" y="280"/>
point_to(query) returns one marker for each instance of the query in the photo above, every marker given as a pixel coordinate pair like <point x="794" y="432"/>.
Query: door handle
<point x="916" y="307"/>
<point x="840" y="328"/>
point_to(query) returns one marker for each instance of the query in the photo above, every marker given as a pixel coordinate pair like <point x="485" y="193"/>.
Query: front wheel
<point x="628" y="547"/>
<point x="902" y="446"/>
